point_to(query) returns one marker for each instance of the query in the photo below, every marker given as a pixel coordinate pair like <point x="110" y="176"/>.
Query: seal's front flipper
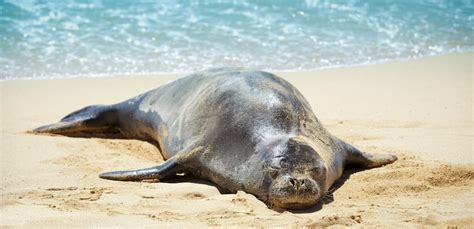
<point x="168" y="168"/>
<point x="86" y="121"/>
<point x="180" y="163"/>
<point x="367" y="160"/>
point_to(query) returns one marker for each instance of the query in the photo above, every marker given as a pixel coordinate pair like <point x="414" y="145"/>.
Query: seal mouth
<point x="295" y="202"/>
<point x="294" y="206"/>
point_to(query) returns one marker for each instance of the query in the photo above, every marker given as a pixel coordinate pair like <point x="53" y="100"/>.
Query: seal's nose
<point x="294" y="192"/>
<point x="298" y="183"/>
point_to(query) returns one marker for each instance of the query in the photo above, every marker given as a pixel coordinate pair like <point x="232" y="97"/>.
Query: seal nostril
<point x="302" y="181"/>
<point x="292" y="181"/>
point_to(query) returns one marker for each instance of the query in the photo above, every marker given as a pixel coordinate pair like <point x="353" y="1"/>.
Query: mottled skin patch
<point x="242" y="129"/>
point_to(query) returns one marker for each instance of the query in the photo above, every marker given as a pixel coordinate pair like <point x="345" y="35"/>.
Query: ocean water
<point x="60" y="39"/>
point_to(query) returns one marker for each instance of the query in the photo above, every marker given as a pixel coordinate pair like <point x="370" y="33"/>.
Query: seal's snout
<point x="299" y="183"/>
<point x="292" y="192"/>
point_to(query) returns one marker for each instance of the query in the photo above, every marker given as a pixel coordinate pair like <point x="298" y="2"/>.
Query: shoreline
<point x="420" y="110"/>
<point x="184" y="73"/>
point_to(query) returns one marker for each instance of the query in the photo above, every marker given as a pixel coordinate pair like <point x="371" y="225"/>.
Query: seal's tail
<point x="88" y="121"/>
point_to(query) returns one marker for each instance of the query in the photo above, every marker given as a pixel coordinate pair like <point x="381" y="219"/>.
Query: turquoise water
<point x="59" y="39"/>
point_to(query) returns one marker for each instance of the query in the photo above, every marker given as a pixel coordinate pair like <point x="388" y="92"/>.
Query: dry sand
<point x="420" y="110"/>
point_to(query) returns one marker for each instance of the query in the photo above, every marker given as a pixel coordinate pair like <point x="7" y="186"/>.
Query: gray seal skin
<point x="241" y="129"/>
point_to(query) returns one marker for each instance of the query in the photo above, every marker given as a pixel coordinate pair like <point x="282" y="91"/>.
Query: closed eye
<point x="273" y="171"/>
<point x="316" y="170"/>
<point x="274" y="168"/>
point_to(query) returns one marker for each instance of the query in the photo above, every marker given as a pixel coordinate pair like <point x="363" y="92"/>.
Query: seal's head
<point x="298" y="176"/>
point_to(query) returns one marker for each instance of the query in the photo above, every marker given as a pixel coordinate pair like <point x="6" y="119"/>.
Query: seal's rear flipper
<point x="86" y="121"/>
<point x="367" y="160"/>
<point x="168" y="168"/>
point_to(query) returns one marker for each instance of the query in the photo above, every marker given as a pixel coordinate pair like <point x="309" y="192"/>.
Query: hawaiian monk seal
<point x="241" y="129"/>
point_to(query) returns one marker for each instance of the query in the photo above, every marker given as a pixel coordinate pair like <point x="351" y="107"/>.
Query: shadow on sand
<point x="190" y="179"/>
<point x="181" y="178"/>
<point x="327" y="199"/>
